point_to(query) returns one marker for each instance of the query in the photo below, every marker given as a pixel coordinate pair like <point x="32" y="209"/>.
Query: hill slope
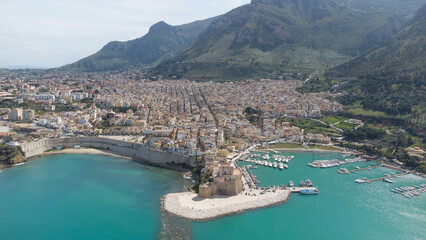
<point x="391" y="78"/>
<point x="401" y="55"/>
<point x="160" y="43"/>
<point x="285" y="35"/>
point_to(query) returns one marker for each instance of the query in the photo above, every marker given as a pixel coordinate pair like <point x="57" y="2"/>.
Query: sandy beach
<point x="189" y="205"/>
<point x="84" y="151"/>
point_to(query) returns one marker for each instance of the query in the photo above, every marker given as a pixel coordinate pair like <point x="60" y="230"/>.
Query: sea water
<point x="80" y="196"/>
<point x="342" y="210"/>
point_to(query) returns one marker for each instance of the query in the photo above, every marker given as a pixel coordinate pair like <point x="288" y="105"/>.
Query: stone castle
<point x="227" y="181"/>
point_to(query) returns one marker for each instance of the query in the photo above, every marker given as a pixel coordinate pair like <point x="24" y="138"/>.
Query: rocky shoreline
<point x="188" y="205"/>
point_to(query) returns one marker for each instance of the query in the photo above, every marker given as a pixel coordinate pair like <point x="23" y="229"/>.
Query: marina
<point x="278" y="161"/>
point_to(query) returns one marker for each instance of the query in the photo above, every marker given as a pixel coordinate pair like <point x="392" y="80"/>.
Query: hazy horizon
<point x="50" y="34"/>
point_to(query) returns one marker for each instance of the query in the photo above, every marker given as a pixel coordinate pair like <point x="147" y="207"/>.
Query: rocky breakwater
<point x="136" y="151"/>
<point x="189" y="205"/>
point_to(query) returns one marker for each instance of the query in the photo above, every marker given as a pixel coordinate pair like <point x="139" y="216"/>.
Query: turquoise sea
<point x="79" y="196"/>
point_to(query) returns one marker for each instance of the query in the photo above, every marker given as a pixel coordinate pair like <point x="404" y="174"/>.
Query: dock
<point x="360" y="169"/>
<point x="390" y="176"/>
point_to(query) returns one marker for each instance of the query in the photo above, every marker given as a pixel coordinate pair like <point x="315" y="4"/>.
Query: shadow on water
<point x="174" y="227"/>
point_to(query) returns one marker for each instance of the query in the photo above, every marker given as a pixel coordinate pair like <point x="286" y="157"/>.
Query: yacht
<point x="270" y="164"/>
<point x="387" y="180"/>
<point x="359" y="180"/>
<point x="275" y="165"/>
<point x="281" y="165"/>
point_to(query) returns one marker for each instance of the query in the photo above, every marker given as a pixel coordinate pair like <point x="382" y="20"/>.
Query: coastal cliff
<point x="10" y="156"/>
<point x="136" y="151"/>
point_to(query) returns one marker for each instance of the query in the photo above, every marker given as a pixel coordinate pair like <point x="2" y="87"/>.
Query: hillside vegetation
<point x="389" y="79"/>
<point x="285" y="36"/>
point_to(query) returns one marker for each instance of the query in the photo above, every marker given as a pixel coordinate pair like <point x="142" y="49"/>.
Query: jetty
<point x="390" y="176"/>
<point x="189" y="205"/>
<point x="359" y="169"/>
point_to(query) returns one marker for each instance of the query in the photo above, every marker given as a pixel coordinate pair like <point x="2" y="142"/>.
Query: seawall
<point x="136" y="151"/>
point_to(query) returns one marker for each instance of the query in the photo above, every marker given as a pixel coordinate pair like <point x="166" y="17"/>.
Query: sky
<point x="52" y="33"/>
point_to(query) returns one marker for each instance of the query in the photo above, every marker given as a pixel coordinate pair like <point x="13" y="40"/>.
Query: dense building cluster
<point x="207" y="119"/>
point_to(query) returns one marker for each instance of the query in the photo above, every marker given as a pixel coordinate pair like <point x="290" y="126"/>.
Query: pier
<point x="390" y="176"/>
<point x="360" y="169"/>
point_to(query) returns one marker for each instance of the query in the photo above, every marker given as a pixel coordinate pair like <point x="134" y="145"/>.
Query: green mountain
<point x="391" y="78"/>
<point x="401" y="8"/>
<point x="283" y="36"/>
<point x="160" y="43"/>
<point x="403" y="54"/>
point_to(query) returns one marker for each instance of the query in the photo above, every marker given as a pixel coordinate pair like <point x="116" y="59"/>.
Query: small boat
<point x="360" y="180"/>
<point x="291" y="184"/>
<point x="281" y="165"/>
<point x="387" y="180"/>
<point x="357" y="167"/>
<point x="285" y="165"/>
<point x="309" y="191"/>
<point x="270" y="164"/>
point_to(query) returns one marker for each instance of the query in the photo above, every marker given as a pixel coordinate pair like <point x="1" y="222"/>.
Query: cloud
<point x="33" y="32"/>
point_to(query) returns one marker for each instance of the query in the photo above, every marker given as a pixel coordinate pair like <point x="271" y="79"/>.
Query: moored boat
<point x="359" y="180"/>
<point x="387" y="180"/>
<point x="309" y="191"/>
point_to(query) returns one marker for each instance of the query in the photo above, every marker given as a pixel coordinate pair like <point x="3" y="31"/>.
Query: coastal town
<point x="206" y="126"/>
<point x="197" y="119"/>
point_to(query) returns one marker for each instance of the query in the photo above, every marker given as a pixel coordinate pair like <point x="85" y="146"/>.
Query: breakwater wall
<point x="136" y="151"/>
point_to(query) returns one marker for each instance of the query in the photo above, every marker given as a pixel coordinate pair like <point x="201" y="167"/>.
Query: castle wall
<point x="137" y="151"/>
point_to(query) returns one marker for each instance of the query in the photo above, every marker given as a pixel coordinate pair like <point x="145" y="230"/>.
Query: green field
<point x="334" y="119"/>
<point x="286" y="145"/>
<point x="345" y="125"/>
<point x="310" y="126"/>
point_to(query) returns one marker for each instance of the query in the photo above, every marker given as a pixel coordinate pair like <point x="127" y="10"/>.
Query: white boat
<point x="275" y="165"/>
<point x="281" y="166"/>
<point x="387" y="180"/>
<point x="285" y="165"/>
<point x="270" y="164"/>
<point x="359" y="180"/>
